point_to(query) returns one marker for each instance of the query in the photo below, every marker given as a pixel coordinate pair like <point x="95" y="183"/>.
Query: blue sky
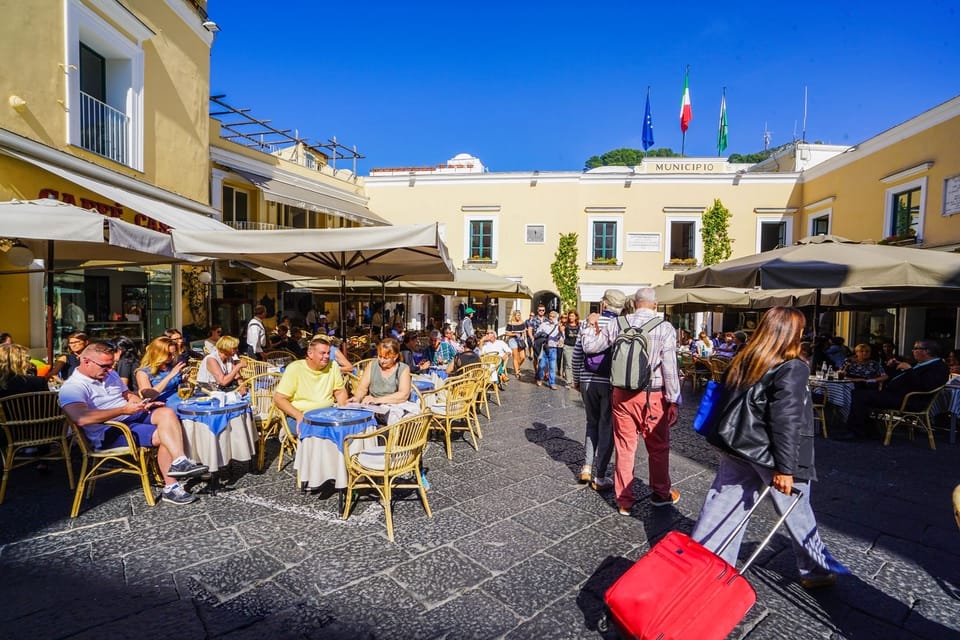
<point x="545" y="85"/>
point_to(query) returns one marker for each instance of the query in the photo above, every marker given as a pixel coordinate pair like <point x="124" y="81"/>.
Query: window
<point x="606" y="246"/>
<point x="480" y="235"/>
<point x="820" y="225"/>
<point x="773" y="232"/>
<point x="236" y="211"/>
<point x="682" y="243"/>
<point x="904" y="208"/>
<point x="105" y="83"/>
<point x="535" y="233"/>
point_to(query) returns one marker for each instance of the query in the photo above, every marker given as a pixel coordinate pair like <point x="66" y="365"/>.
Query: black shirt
<point x="570" y="334"/>
<point x="23" y="384"/>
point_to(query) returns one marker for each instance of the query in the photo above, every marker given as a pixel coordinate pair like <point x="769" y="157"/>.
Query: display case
<point x="112" y="330"/>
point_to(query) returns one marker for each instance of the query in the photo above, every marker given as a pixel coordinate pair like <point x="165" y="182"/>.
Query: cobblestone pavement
<point x="515" y="549"/>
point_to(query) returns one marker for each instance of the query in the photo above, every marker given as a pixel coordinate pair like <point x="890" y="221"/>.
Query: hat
<point x="614" y="299"/>
<point x="468" y="311"/>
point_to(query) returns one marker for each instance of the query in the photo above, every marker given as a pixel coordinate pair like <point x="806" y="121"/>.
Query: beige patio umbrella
<point x="380" y="253"/>
<point x="50" y="229"/>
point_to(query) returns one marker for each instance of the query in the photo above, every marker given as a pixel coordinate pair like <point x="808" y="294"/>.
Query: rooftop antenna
<point x="766" y="137"/>
<point x="804" y="138"/>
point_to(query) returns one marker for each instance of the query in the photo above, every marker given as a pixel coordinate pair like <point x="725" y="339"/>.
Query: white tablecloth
<point x="319" y="460"/>
<point x="236" y="442"/>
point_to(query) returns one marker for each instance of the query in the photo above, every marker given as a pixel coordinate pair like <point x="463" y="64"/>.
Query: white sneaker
<point x="177" y="495"/>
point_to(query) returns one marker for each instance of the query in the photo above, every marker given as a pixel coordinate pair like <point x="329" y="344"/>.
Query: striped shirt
<point x="662" y="351"/>
<point x="580" y="374"/>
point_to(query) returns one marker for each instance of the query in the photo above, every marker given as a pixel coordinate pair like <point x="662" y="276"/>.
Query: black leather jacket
<point x="773" y="426"/>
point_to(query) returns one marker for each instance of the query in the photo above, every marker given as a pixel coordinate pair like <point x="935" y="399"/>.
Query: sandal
<point x="539" y="383"/>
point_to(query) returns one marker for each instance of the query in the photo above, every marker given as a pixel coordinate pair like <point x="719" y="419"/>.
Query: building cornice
<point x="903" y="174"/>
<point x="192" y="19"/>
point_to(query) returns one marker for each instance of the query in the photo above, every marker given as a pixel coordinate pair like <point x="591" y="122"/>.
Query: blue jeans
<point x="737" y="486"/>
<point x="548" y="358"/>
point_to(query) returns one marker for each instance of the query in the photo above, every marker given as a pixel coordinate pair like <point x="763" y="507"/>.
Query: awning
<point x="168" y="214"/>
<point x="297" y="196"/>
<point x="593" y="292"/>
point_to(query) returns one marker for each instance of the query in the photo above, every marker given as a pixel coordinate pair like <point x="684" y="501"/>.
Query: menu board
<point x="951" y="195"/>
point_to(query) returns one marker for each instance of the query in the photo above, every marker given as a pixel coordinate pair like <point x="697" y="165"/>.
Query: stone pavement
<point x="515" y="549"/>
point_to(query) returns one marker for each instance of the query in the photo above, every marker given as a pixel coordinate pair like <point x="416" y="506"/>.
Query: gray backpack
<point x="630" y="361"/>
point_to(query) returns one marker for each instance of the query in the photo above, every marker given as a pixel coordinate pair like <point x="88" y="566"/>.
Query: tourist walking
<point x="516" y="340"/>
<point x="548" y="337"/>
<point x="571" y="331"/>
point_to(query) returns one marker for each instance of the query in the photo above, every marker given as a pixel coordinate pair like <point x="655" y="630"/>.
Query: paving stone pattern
<point x="516" y="547"/>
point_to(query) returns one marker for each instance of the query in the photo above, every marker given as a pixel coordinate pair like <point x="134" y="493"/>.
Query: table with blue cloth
<point x="320" y="455"/>
<point x="440" y="372"/>
<point x="217" y="433"/>
<point x="839" y="396"/>
<point x="421" y="385"/>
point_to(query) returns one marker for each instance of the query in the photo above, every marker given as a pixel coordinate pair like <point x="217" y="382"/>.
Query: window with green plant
<point x="906" y="207"/>
<point x="481" y="240"/>
<point x="604" y="242"/>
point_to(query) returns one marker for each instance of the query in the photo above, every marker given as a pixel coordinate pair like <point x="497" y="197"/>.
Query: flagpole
<point x="686" y="112"/>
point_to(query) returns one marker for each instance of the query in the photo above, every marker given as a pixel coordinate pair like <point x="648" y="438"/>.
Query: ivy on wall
<point x="715" y="231"/>
<point x="564" y="270"/>
<point x="195" y="293"/>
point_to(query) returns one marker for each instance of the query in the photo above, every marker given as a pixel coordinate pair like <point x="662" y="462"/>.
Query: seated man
<point x="929" y="373"/>
<point x="311" y="383"/>
<point x="409" y="353"/>
<point x="439" y="354"/>
<point x="95" y="394"/>
<point x="489" y="343"/>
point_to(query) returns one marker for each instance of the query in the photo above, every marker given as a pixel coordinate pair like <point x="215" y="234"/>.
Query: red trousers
<point x="634" y="417"/>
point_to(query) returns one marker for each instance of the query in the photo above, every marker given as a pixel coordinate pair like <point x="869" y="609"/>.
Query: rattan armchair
<point x="492" y="362"/>
<point x="129" y="459"/>
<point x="379" y="467"/>
<point x="453" y="403"/>
<point x="253" y="368"/>
<point x="32" y="420"/>
<point x="267" y="417"/>
<point x="278" y="355"/>
<point x="914" y="413"/>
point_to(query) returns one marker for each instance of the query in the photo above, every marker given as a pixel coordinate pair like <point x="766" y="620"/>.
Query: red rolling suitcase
<point x="681" y="590"/>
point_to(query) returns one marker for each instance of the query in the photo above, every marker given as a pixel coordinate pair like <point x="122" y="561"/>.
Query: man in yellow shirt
<point x="310" y="384"/>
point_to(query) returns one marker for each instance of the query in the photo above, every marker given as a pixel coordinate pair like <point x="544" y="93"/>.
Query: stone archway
<point x="548" y="299"/>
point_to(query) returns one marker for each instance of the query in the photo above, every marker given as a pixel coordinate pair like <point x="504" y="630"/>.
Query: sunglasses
<point x="104" y="367"/>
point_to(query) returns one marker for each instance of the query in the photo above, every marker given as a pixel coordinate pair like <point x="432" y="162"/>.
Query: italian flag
<point x="686" y="111"/>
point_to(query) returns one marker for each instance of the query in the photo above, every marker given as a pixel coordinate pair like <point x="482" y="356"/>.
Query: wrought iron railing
<point x="244" y="225"/>
<point x="104" y="130"/>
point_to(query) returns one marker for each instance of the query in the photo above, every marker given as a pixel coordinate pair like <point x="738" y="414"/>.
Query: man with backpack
<point x="646" y="394"/>
<point x="591" y="377"/>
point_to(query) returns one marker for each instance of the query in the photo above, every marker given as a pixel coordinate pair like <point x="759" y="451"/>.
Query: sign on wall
<point x="643" y="242"/>
<point x="951" y="195"/>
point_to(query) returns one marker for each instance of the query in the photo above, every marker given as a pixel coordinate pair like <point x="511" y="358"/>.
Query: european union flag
<point x="647" y="125"/>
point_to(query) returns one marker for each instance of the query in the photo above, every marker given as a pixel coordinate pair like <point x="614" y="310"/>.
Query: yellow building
<point x="104" y="104"/>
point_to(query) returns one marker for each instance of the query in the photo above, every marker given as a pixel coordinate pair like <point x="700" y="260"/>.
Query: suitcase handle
<point x="766" y="541"/>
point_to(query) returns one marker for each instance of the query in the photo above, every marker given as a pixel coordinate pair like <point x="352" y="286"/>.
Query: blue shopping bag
<point x="708" y="412"/>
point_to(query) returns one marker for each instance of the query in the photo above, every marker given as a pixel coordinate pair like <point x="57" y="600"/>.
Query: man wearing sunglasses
<point x="95" y="394"/>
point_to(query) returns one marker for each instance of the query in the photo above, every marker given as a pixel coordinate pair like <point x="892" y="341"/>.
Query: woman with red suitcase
<point x="766" y="435"/>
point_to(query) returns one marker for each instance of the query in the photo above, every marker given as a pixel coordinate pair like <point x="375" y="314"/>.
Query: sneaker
<point x="178" y="495"/>
<point x="187" y="469"/>
<point x="602" y="484"/>
<point x="819" y="580"/>
<point x="585" y="472"/>
<point x="623" y="512"/>
<point x="663" y="501"/>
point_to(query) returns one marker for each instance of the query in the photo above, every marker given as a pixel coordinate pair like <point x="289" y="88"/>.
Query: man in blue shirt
<point x="439" y="353"/>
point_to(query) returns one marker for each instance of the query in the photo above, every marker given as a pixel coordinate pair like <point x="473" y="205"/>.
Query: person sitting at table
<point x="863" y="370"/>
<point x="490" y="343"/>
<point x="409" y="353"/>
<point x="929" y="373"/>
<point x="836" y="353"/>
<point x="184" y="352"/>
<point x="64" y="365"/>
<point x="222" y="369"/>
<point x="727" y="348"/>
<point x="953" y="360"/>
<point x="311" y="383"/>
<point x="126" y="358"/>
<point x="450" y="337"/>
<point x="386" y="383"/>
<point x="296" y="343"/>
<point x="210" y="344"/>
<point x="95" y="394"/>
<point x="17" y="373"/>
<point x="337" y="354"/>
<point x="467" y="356"/>
<point x="439" y="353"/>
<point x="889" y="358"/>
<point x="161" y="370"/>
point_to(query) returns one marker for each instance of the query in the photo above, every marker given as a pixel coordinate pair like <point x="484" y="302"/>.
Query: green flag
<point x="722" y="133"/>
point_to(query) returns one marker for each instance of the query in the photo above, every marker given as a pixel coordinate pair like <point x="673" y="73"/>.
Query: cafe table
<point x="948" y="401"/>
<point x="217" y="433"/>
<point x="839" y="394"/>
<point x="422" y="384"/>
<point x="320" y="455"/>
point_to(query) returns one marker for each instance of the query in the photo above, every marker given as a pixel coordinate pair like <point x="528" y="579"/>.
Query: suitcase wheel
<point x="603" y="624"/>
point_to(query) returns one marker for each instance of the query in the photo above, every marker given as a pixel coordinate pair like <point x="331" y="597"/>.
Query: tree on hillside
<point x="625" y="157"/>
<point x="565" y="272"/>
<point x="715" y="231"/>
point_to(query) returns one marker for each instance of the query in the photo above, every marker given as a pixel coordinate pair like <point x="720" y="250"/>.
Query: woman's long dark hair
<point x="776" y="340"/>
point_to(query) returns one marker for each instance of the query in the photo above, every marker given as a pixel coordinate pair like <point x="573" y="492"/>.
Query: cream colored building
<point x="104" y="104"/>
<point x="638" y="225"/>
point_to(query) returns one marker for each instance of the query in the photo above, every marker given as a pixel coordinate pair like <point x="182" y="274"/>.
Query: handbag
<point x="708" y="413"/>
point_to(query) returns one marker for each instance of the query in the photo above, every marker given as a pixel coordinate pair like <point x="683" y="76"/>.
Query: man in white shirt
<point x="490" y="343"/>
<point x="257" y="333"/>
<point x="94" y="394"/>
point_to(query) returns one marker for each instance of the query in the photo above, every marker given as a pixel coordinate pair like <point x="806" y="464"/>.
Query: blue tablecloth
<point x="334" y="424"/>
<point x="212" y="413"/>
<point x="422" y="385"/>
<point x="441" y="372"/>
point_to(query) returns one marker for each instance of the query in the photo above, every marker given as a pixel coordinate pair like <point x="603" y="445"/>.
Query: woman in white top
<point x="219" y="370"/>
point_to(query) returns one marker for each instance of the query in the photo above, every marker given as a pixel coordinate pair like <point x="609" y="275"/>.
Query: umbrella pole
<point x="384" y="321"/>
<point x="341" y="311"/>
<point x="816" y="315"/>
<point x="50" y="301"/>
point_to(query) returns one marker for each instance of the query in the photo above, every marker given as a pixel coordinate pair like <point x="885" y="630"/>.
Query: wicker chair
<point x="32" y="420"/>
<point x="478" y="373"/>
<point x="917" y="417"/>
<point x="360" y="365"/>
<point x="253" y="368"/>
<point x="492" y="362"/>
<point x="266" y="416"/>
<point x="278" y="355"/>
<point x="454" y="402"/>
<point x="718" y="366"/>
<point x="379" y="467"/>
<point x="688" y="371"/>
<point x="819" y="394"/>
<point x="127" y="459"/>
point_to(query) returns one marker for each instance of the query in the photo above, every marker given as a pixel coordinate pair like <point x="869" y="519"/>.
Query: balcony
<point x="244" y="225"/>
<point x="104" y="130"/>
